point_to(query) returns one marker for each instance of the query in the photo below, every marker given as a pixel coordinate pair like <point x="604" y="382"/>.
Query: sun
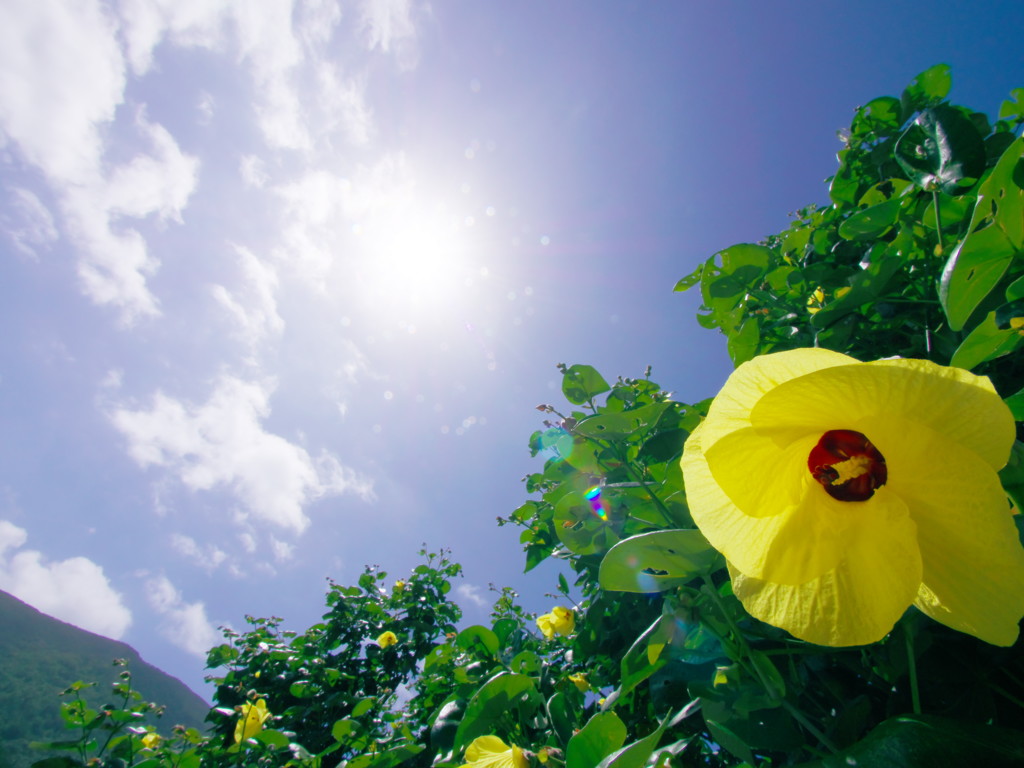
<point x="415" y="256"/>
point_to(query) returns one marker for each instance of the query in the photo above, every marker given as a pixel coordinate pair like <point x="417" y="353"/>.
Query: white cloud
<point x="209" y="557"/>
<point x="253" y="306"/>
<point x="282" y="550"/>
<point x="74" y="590"/>
<point x="471" y="593"/>
<point x="114" y="259"/>
<point x="61" y="78"/>
<point x="253" y="170"/>
<point x="29" y="223"/>
<point x="185" y="624"/>
<point x="223" y="444"/>
<point x="388" y="24"/>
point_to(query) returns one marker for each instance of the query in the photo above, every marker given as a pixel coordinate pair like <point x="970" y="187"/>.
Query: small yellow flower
<point x="725" y="675"/>
<point x="151" y="740"/>
<point x="542" y="755"/>
<point x="399" y="586"/>
<point x="816" y="300"/>
<point x="492" y="752"/>
<point x="841" y="493"/>
<point x="251" y="720"/>
<point x="580" y="681"/>
<point x="387" y="639"/>
<point x="560" y="621"/>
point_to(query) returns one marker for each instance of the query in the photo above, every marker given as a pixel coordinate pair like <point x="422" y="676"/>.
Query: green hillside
<point x="41" y="656"/>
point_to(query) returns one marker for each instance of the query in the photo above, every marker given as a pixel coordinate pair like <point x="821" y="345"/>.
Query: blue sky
<point x="282" y="281"/>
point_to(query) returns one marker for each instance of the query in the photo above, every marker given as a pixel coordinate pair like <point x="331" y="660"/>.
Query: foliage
<point x="917" y="255"/>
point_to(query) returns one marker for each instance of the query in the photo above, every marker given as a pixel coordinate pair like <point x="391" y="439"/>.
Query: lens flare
<point x="598" y="505"/>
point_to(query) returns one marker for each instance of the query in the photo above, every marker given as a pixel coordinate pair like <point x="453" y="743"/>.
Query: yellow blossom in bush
<point x="560" y="621"/>
<point x="151" y="740"/>
<point x="251" y="720"/>
<point x="399" y="586"/>
<point x="843" y="492"/>
<point x="580" y="681"/>
<point x="816" y="300"/>
<point x="387" y="639"/>
<point x="492" y="752"/>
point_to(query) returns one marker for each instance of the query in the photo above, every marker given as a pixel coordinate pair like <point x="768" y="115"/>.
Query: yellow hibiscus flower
<point x="843" y="492"/>
<point x="151" y="740"/>
<point x="580" y="681"/>
<point x="492" y="752"/>
<point x="251" y="720"/>
<point x="387" y="639"/>
<point x="561" y="621"/>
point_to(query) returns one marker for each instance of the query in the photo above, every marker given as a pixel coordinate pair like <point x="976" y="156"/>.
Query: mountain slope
<point x="41" y="656"/>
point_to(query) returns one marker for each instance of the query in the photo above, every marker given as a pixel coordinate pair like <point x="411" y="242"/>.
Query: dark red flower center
<point x="847" y="465"/>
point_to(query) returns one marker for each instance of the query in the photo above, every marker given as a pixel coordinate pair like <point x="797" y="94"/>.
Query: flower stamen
<point x="847" y="465"/>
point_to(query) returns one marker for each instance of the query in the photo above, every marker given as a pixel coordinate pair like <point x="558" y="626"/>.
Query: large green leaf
<point x="491" y="702"/>
<point x="929" y="87"/>
<point x="872" y="222"/>
<point x="623" y="422"/>
<point x="995" y="237"/>
<point x="986" y="342"/>
<point x="601" y="736"/>
<point x="582" y="383"/>
<point x="926" y="741"/>
<point x="635" y="755"/>
<point x="656" y="561"/>
<point x="941" y="150"/>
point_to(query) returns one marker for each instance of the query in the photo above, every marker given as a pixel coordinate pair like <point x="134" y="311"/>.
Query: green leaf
<point x="446" y="725"/>
<point x="582" y="383"/>
<point x="272" y="738"/>
<point x="388" y="759"/>
<point x="639" y="663"/>
<point x="1013" y="108"/>
<point x="579" y="528"/>
<point x="996" y="236"/>
<point x="656" y="561"/>
<point x="1012" y="475"/>
<point x="623" y="422"/>
<point x="883" y="116"/>
<point x="941" y="150"/>
<point x="363" y="706"/>
<point x="478" y="636"/>
<point x="561" y="716"/>
<point x="743" y="343"/>
<point x="936" y="742"/>
<point x="491" y="702"/>
<point x="635" y="755"/>
<point x="1015" y="402"/>
<point x="601" y="736"/>
<point x="870" y="223"/>
<point x="929" y="87"/>
<point x="986" y="342"/>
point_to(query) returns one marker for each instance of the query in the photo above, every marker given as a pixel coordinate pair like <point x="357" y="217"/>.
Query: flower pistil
<point x="847" y="465"/>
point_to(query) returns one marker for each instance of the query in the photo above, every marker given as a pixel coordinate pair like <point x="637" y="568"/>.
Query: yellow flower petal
<point x="754" y="379"/>
<point x="955" y="403"/>
<point x="492" y="752"/>
<point x="857" y="602"/>
<point x="974" y="565"/>
<point x="387" y="639"/>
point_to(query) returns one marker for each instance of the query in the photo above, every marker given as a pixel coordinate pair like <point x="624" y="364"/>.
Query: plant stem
<point x="915" y="696"/>
<point x="810" y="727"/>
<point x="938" y="218"/>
